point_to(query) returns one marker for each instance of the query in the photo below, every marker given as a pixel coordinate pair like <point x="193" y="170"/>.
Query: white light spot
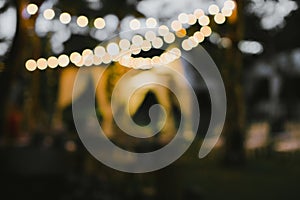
<point x="31" y="65"/>
<point x="151" y="22"/>
<point x="99" y="23"/>
<point x="41" y="63"/>
<point x="52" y="62"/>
<point x="65" y="18"/>
<point x="82" y="21"/>
<point x="32" y="9"/>
<point x="49" y="14"/>
<point x="63" y="60"/>
<point x="135" y="24"/>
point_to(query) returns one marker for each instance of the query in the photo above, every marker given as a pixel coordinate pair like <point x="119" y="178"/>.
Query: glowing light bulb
<point x="97" y="60"/>
<point x="219" y="18"/>
<point x="32" y="9"/>
<point x="206" y="31"/>
<point x="52" y="62"/>
<point x="75" y="57"/>
<point x="82" y="21"/>
<point x="49" y="14"/>
<point x="181" y="33"/>
<point x="155" y="60"/>
<point x="151" y="22"/>
<point x="99" y="23"/>
<point x="113" y="49"/>
<point x="65" y="18"/>
<point x="124" y="44"/>
<point x="135" y="24"/>
<point x="99" y="51"/>
<point x="226" y="12"/>
<point x="150" y="35"/>
<point x="134" y="49"/>
<point x="169" y="38"/>
<point x="213" y="9"/>
<point x="146" y="46"/>
<point x="176" y="25"/>
<point x="157" y="43"/>
<point x="183" y="18"/>
<point x="192" y="19"/>
<point x="204" y="20"/>
<point x="137" y="40"/>
<point x="198" y="13"/>
<point x="31" y="65"/>
<point x="199" y="37"/>
<point x="106" y="59"/>
<point x="163" y="30"/>
<point x="186" y="45"/>
<point x="63" y="60"/>
<point x="42" y="63"/>
<point x="229" y="4"/>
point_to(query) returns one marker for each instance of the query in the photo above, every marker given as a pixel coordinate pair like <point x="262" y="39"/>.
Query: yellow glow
<point x="219" y="18"/>
<point x="213" y="9"/>
<point x="63" y="60"/>
<point x="52" y="62"/>
<point x="99" y="51"/>
<point x="204" y="20"/>
<point x="87" y="52"/>
<point x="151" y="22"/>
<point x="176" y="25"/>
<point x="99" y="23"/>
<point x="206" y="31"/>
<point x="229" y="4"/>
<point x="198" y="13"/>
<point x="181" y="33"/>
<point x="192" y="19"/>
<point x="135" y="24"/>
<point x="89" y="60"/>
<point x="82" y="21"/>
<point x="163" y="30"/>
<point x="146" y="46"/>
<point x="175" y="51"/>
<point x="199" y="37"/>
<point x="137" y="40"/>
<point x="183" y="18"/>
<point x="113" y="49"/>
<point x="30" y="65"/>
<point x="65" y="18"/>
<point x="157" y="43"/>
<point x="32" y="9"/>
<point x="75" y="57"/>
<point x="42" y="63"/>
<point x="49" y="14"/>
<point x="124" y="44"/>
<point x="169" y="38"/>
<point x="155" y="60"/>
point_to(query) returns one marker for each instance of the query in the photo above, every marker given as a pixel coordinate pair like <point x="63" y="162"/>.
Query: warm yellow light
<point x="150" y="35"/>
<point x="199" y="37"/>
<point x="192" y="42"/>
<point x="151" y="22"/>
<point x="163" y="30"/>
<point x="213" y="9"/>
<point x="30" y="65"/>
<point x="175" y="51"/>
<point x="137" y="40"/>
<point x="124" y="44"/>
<point x="135" y="24"/>
<point x="82" y="21"/>
<point x="176" y="25"/>
<point x="134" y="49"/>
<point x="204" y="20"/>
<point x="32" y="9"/>
<point x="75" y="57"/>
<point x="157" y="43"/>
<point x="155" y="60"/>
<point x="206" y="31"/>
<point x="99" y="51"/>
<point x="219" y="18"/>
<point x="99" y="23"/>
<point x="87" y="52"/>
<point x="226" y="12"/>
<point x="198" y="13"/>
<point x="49" y="14"/>
<point x="181" y="33"/>
<point x="52" y="62"/>
<point x="41" y="63"/>
<point x="183" y="18"/>
<point x="63" y="60"/>
<point x="192" y="19"/>
<point x="65" y="18"/>
<point x="169" y="38"/>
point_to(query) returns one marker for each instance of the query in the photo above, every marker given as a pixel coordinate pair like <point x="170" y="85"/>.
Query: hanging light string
<point x="123" y="50"/>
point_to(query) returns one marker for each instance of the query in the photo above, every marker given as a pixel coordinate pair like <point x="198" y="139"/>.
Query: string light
<point x="151" y="22"/>
<point x="99" y="23"/>
<point x="49" y="14"/>
<point x="135" y="24"/>
<point x="213" y="9"/>
<point x="41" y="63"/>
<point x="31" y="65"/>
<point x="219" y="18"/>
<point x="65" y="18"/>
<point x="82" y="21"/>
<point x="63" y="60"/>
<point x="32" y="9"/>
<point x="52" y="62"/>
